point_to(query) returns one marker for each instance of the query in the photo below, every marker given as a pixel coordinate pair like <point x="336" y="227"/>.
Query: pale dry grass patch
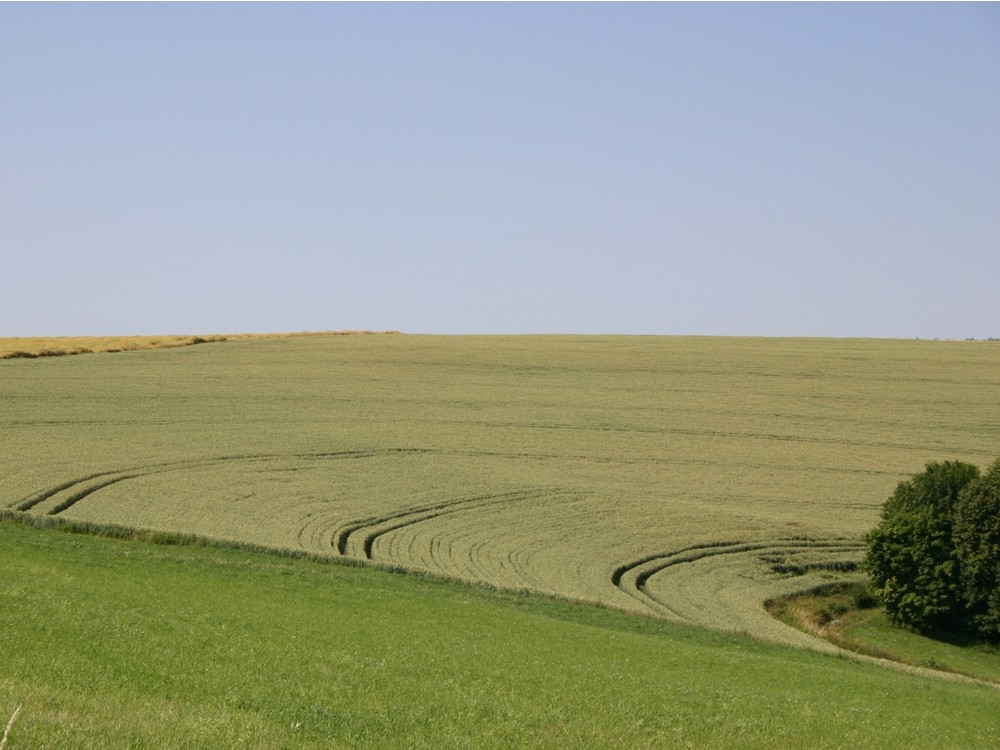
<point x="29" y="348"/>
<point x="57" y="346"/>
<point x="10" y="725"/>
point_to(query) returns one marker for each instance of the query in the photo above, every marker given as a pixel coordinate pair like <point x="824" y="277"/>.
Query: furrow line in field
<point x="690" y="431"/>
<point x="115" y="475"/>
<point x="316" y="531"/>
<point x="702" y="549"/>
<point x="57" y="499"/>
<point x="423" y="548"/>
<point x="521" y="560"/>
<point x="42" y="495"/>
<point x="648" y="460"/>
<point x="475" y="549"/>
<point x="342" y="537"/>
<point x="501" y="550"/>
<point x="478" y="560"/>
<point x="373" y="527"/>
<point x="633" y="577"/>
<point x="482" y="559"/>
<point x="368" y="542"/>
<point x="462" y="541"/>
<point x="77" y="496"/>
<point x="440" y="552"/>
<point x="74" y="492"/>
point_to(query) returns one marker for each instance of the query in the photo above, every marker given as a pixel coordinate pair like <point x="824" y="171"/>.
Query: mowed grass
<point x="690" y="478"/>
<point x="113" y="644"/>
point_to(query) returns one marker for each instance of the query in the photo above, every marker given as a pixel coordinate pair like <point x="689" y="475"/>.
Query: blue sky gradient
<point x="724" y="169"/>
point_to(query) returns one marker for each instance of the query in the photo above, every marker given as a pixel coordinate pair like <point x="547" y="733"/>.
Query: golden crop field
<point x="684" y="477"/>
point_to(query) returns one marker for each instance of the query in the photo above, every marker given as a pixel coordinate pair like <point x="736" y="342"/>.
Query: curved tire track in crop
<point x="55" y="500"/>
<point x="491" y="543"/>
<point x="358" y="537"/>
<point x="637" y="577"/>
<point x="319" y="529"/>
<point x="473" y="537"/>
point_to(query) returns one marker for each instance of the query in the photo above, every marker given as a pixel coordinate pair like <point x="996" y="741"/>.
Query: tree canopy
<point x="934" y="559"/>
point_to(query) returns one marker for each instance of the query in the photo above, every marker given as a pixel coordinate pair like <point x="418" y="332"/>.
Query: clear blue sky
<point x="776" y="170"/>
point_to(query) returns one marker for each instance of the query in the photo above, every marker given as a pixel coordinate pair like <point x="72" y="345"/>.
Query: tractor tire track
<point x="41" y="496"/>
<point x="371" y="528"/>
<point x="55" y="500"/>
<point x="633" y="577"/>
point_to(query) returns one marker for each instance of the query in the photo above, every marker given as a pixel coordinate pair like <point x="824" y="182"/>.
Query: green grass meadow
<point x="675" y="482"/>
<point x="116" y="644"/>
<point x="834" y="615"/>
<point x="874" y="631"/>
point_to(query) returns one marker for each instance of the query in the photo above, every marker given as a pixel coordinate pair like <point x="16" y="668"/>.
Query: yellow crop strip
<point x="57" y="346"/>
<point x="13" y="348"/>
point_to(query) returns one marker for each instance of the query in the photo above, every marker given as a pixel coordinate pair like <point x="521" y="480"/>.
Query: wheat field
<point x="689" y="478"/>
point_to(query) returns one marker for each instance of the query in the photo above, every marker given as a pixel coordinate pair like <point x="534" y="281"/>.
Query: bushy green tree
<point x="976" y="536"/>
<point x="934" y="560"/>
<point x="911" y="557"/>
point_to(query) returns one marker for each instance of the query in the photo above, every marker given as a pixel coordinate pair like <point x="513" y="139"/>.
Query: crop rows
<point x="54" y="500"/>
<point x="724" y="584"/>
<point x="684" y="478"/>
<point x="408" y="536"/>
<point x="470" y="538"/>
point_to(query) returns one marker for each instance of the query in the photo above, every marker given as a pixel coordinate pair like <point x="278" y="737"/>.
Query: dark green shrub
<point x="862" y="597"/>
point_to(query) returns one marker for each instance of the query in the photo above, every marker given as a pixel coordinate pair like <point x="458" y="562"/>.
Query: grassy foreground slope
<point x="691" y="478"/>
<point x="834" y="615"/>
<point x="110" y="644"/>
